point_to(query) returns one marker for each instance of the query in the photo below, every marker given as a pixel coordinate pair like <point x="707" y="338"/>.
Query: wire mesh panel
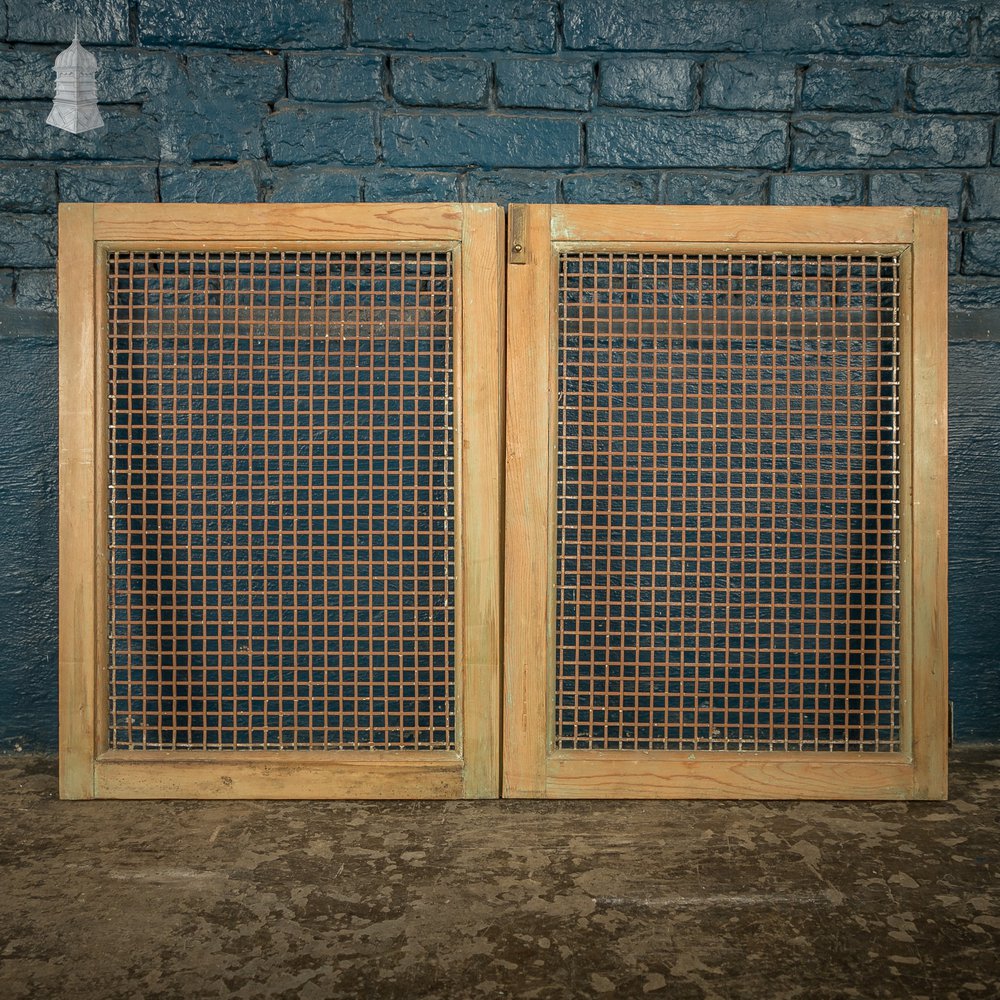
<point x="281" y="500"/>
<point x="727" y="537"/>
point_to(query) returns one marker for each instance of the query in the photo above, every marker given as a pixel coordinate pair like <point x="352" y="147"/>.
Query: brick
<point x="455" y="25"/>
<point x="849" y="87"/>
<point x="565" y="85"/>
<point x="816" y="189"/>
<point x="27" y="74"/>
<point x="315" y="184"/>
<point x="28" y="481"/>
<point x="28" y="240"/>
<point x="884" y="141"/>
<point x="101" y="21"/>
<point x="6" y="286"/>
<point x="659" y="84"/>
<point x="617" y="187"/>
<point x="116" y="183"/>
<point x="989" y="31"/>
<point x="923" y="187"/>
<point x="428" y="80"/>
<point x="625" y="140"/>
<point x="982" y="250"/>
<point x="668" y="25"/>
<point x="890" y="27"/>
<point x="250" y="77"/>
<point x="216" y="113"/>
<point x="36" y="290"/>
<point x="235" y="183"/>
<point x="715" y="189"/>
<point x="338" y="78"/>
<point x="41" y="327"/>
<point x="958" y="89"/>
<point x="984" y="196"/>
<point x="954" y="251"/>
<point x="27" y="188"/>
<point x="243" y="24"/>
<point x="410" y="186"/>
<point x="133" y="75"/>
<point x="505" y="186"/>
<point x="485" y="140"/>
<point x="303" y="133"/>
<point x="209" y="128"/>
<point x="972" y="294"/>
<point x="127" y="135"/>
<point x="749" y="84"/>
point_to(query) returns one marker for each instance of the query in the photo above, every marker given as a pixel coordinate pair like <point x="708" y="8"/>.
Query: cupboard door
<point x="726" y="503"/>
<point x="280" y="476"/>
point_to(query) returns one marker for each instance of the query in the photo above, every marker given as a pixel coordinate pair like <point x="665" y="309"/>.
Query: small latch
<point x="516" y="253"/>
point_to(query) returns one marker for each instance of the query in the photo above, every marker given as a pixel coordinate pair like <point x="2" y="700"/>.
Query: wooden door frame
<point x="88" y="768"/>
<point x="532" y="766"/>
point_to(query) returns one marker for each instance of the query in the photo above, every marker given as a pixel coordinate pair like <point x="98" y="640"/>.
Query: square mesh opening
<point x="282" y="557"/>
<point x="727" y="510"/>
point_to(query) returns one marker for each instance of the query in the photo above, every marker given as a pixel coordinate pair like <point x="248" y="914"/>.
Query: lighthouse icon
<point x="75" y="106"/>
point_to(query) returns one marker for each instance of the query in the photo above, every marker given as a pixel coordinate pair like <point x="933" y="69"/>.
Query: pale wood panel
<point x="929" y="504"/>
<point x="905" y="391"/>
<point x="527" y="578"/>
<point x="323" y="776"/>
<point x="552" y="443"/>
<point x="385" y="221"/>
<point x="78" y="593"/>
<point x="722" y="224"/>
<point x="629" y="774"/>
<point x="480" y="449"/>
<point x="102" y="500"/>
<point x="290" y="245"/>
<point x="730" y="246"/>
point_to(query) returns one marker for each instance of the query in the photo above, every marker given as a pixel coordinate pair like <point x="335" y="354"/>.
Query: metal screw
<point x="518" y="248"/>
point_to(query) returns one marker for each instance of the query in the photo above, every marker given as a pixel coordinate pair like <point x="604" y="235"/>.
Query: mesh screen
<point x="281" y="500"/>
<point x="727" y="538"/>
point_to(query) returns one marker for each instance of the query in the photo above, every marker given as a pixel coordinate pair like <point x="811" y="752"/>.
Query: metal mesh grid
<point x="282" y="565"/>
<point x="727" y="515"/>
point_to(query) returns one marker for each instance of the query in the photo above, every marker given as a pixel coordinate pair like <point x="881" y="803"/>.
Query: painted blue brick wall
<point x="786" y="102"/>
<point x="28" y="504"/>
<point x="974" y="558"/>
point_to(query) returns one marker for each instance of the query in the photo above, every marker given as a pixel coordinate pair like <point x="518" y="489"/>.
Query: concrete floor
<point x="499" y="899"/>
